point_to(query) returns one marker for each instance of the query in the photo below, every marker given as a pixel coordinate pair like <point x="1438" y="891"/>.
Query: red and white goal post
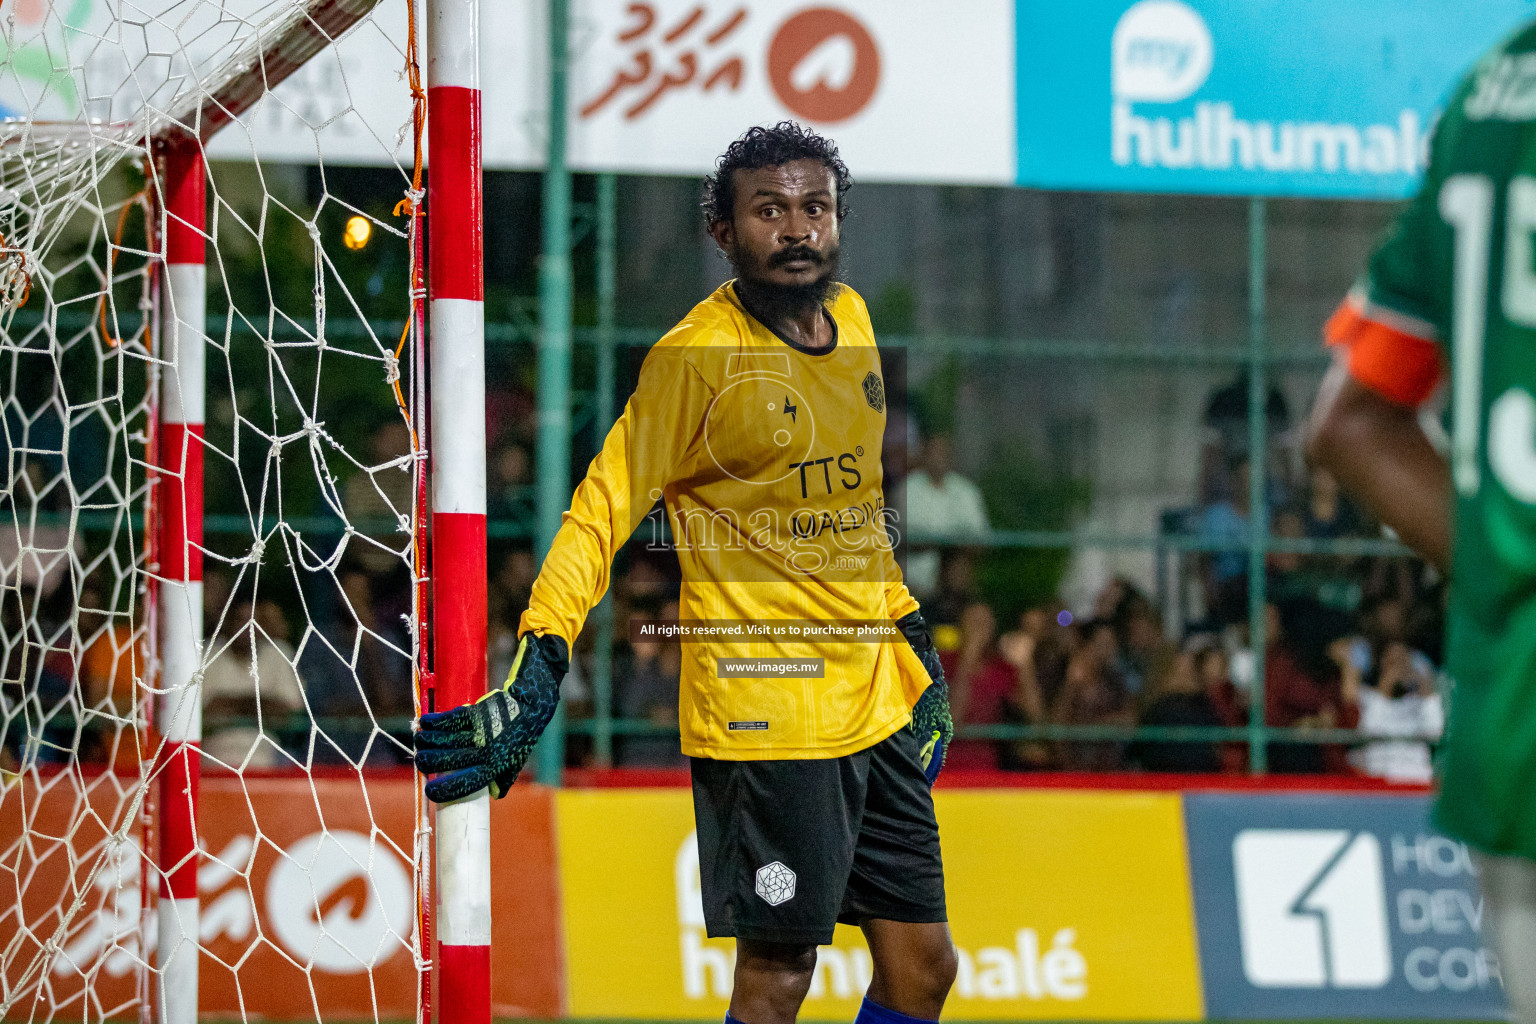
<point x="214" y="426"/>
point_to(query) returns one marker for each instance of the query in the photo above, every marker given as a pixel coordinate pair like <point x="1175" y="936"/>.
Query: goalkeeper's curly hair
<point x="770" y="147"/>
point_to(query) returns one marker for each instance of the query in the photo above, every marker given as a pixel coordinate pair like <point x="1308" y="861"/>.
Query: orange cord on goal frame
<point x="412" y="207"/>
<point x="141" y="199"/>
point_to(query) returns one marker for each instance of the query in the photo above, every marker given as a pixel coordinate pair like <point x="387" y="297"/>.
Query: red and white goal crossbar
<point x="457" y="331"/>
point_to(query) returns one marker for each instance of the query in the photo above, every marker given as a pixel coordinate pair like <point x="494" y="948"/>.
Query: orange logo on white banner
<point x="824" y="65"/>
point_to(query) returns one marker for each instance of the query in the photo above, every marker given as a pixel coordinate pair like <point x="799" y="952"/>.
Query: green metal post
<point x="602" y="615"/>
<point x="554" y="400"/>
<point x="1258" y="479"/>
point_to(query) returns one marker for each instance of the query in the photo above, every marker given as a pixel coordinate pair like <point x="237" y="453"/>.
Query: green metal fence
<point x="554" y="448"/>
<point x="1259" y="359"/>
<point x="562" y="411"/>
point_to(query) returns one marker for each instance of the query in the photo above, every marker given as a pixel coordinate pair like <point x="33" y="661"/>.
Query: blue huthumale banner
<point x="1336" y="905"/>
<point x="1269" y="97"/>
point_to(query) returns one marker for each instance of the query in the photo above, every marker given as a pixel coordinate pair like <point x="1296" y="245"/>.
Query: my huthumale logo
<point x="1162" y="52"/>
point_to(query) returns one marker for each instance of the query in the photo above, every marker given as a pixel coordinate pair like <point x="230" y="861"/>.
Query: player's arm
<point x="1387" y="362"/>
<point x="1388" y="359"/>
<point x="485" y="744"/>
<point x="642" y="454"/>
<point x="1378" y="452"/>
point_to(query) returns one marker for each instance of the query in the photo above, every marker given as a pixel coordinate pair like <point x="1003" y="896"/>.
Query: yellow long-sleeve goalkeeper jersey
<point x="767" y="457"/>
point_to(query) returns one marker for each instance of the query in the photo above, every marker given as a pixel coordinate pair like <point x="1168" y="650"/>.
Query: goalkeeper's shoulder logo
<point x="775" y="883"/>
<point x="874" y="391"/>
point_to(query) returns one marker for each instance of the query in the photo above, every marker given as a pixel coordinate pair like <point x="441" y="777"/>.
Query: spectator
<point x="1178" y="698"/>
<point x="1213" y="668"/>
<point x="1329" y="515"/>
<point x="511" y="408"/>
<point x="514" y="579"/>
<point x="250" y="687"/>
<point x="1116" y="599"/>
<point x="38" y="542"/>
<point x="1226" y="413"/>
<point x="1100" y="638"/>
<point x="1144" y="653"/>
<point x="375" y="497"/>
<point x="1287" y="572"/>
<point x="509" y="490"/>
<point x="1400" y="704"/>
<point x="1093" y="693"/>
<point x="1384" y="620"/>
<point x="506" y="597"/>
<point x="1054" y="641"/>
<point x="1226" y="422"/>
<point x="109" y="670"/>
<point x="647" y="684"/>
<point x="957" y="590"/>
<point x="939" y="501"/>
<point x="647" y="580"/>
<point x="1319" y="578"/>
<point x="378" y="670"/>
<point x="981" y="683"/>
<point x="1024" y="649"/>
<point x="108" y="659"/>
<point x="1301" y="691"/>
<point x="1226" y="572"/>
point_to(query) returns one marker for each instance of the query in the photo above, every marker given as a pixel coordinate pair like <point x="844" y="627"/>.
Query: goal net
<point x="209" y="500"/>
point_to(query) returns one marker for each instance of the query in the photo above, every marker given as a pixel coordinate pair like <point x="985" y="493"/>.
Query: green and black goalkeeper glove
<point x="485" y="744"/>
<point x="930" y="716"/>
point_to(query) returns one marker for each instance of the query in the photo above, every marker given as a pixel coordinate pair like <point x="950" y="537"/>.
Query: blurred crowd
<point x="1351" y="642"/>
<point x="321" y="672"/>
<point x="1117" y="667"/>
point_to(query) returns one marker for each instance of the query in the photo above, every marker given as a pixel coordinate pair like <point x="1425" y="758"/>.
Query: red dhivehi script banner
<point x="909" y="91"/>
<point x="294" y="872"/>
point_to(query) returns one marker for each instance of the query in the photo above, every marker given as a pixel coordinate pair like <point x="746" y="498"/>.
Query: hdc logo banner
<point x="1334" y="905"/>
<point x="1310" y="97"/>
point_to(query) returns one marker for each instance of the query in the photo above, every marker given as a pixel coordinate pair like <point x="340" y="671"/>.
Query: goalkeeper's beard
<point x="773" y="302"/>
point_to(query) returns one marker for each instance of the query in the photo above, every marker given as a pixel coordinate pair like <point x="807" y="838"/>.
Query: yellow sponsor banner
<point x="1064" y="905"/>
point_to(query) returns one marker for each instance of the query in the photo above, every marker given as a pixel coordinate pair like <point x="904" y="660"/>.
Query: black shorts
<point x="789" y="848"/>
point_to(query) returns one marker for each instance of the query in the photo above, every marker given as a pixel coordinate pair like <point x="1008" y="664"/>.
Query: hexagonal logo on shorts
<point x="775" y="883"/>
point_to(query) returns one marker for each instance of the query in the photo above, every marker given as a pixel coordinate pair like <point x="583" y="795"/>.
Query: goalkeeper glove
<point x="930" y="717"/>
<point x="485" y="744"/>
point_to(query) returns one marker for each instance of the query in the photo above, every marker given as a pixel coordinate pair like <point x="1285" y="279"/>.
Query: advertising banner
<point x="306" y="889"/>
<point x="1306" y="97"/>
<point x="1064" y="905"/>
<point x="910" y="91"/>
<point x="1332" y="905"/>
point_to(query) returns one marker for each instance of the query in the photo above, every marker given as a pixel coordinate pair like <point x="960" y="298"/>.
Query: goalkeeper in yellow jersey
<point x="813" y="706"/>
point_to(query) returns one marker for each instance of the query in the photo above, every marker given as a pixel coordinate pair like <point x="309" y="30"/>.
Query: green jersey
<point x="1454" y="284"/>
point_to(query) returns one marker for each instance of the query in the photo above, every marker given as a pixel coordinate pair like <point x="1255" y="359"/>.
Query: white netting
<point x="308" y="815"/>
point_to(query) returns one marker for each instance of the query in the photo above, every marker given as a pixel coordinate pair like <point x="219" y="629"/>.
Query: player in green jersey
<point x="1451" y="293"/>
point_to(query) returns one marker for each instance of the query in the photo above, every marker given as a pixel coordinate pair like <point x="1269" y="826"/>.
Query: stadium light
<point x="359" y="230"/>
